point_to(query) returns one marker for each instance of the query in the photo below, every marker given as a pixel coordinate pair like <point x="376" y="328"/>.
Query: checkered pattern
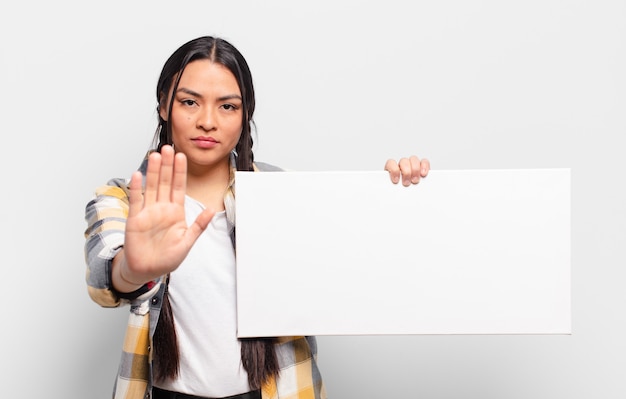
<point x="106" y="214"/>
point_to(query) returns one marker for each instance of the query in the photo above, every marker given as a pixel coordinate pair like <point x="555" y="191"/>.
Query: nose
<point x="206" y="119"/>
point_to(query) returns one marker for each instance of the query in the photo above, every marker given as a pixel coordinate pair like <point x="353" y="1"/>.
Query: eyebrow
<point x="196" y="94"/>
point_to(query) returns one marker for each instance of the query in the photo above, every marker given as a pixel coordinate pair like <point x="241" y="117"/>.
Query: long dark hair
<point x="258" y="355"/>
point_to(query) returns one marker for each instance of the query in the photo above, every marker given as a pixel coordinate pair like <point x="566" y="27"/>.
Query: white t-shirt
<point x="203" y="297"/>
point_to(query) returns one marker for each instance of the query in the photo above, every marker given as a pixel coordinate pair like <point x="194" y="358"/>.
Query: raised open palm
<point x="157" y="237"/>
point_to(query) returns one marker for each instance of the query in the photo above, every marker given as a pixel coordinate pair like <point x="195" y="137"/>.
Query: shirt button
<point x="155" y="300"/>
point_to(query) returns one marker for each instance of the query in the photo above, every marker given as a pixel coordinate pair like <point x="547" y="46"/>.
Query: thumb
<point x="200" y="224"/>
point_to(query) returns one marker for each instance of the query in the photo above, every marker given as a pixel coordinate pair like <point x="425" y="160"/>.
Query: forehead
<point x="202" y="75"/>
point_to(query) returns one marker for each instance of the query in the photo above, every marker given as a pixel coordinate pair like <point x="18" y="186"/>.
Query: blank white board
<point x="350" y="253"/>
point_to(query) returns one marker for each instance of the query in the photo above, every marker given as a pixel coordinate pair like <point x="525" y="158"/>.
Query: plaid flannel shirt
<point x="106" y="215"/>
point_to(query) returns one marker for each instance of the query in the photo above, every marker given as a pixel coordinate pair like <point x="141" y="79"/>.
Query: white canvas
<point x="463" y="252"/>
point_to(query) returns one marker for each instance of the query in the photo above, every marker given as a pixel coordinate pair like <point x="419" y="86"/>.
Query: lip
<point x="205" y="141"/>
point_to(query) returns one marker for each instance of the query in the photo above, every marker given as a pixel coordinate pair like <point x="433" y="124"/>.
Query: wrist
<point x="126" y="280"/>
<point x="119" y="273"/>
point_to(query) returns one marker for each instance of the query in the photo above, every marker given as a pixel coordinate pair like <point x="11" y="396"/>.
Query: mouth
<point x="205" y="138"/>
<point x="205" y="141"/>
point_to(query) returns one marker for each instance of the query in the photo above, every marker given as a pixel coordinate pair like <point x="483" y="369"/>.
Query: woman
<point x="163" y="243"/>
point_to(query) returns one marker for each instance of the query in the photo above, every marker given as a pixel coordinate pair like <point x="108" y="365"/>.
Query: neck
<point x="208" y="184"/>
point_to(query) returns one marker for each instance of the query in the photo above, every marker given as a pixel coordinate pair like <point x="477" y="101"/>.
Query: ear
<point x="163" y="107"/>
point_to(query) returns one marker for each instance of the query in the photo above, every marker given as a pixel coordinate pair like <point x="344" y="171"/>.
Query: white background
<point x="341" y="85"/>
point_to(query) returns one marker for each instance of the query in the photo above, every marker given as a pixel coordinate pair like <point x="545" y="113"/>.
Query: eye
<point x="230" y="107"/>
<point x="188" y="102"/>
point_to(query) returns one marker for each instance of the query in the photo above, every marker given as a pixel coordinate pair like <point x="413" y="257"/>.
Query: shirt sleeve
<point x="106" y="216"/>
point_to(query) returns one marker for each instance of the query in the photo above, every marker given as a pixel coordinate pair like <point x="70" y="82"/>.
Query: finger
<point x="415" y="169"/>
<point x="179" y="184"/>
<point x="164" y="191"/>
<point x="199" y="225"/>
<point x="405" y="170"/>
<point x="135" y="200"/>
<point x="394" y="171"/>
<point x="424" y="167"/>
<point x="152" y="178"/>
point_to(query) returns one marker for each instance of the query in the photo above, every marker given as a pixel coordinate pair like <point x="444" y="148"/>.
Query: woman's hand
<point x="157" y="238"/>
<point x="411" y="170"/>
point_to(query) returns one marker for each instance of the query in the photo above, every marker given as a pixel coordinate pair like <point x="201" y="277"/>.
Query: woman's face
<point x="206" y="114"/>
